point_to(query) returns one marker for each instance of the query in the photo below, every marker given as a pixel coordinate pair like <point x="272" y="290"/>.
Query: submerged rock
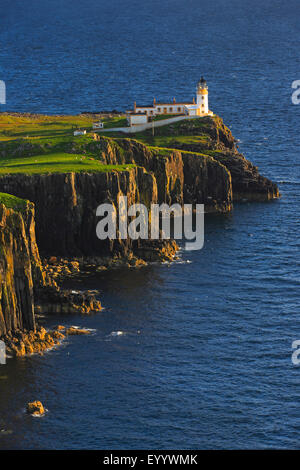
<point x="77" y="331"/>
<point x="60" y="328"/>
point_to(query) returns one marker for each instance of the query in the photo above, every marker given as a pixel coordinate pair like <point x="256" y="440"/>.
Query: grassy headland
<point x="34" y="144"/>
<point x="31" y="143"/>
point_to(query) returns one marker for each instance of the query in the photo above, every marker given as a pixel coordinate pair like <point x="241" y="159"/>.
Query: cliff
<point x="16" y="281"/>
<point x="24" y="284"/>
<point x="66" y="207"/>
<point x="191" y="162"/>
<point x="66" y="203"/>
<point x="211" y="137"/>
<point x="182" y="176"/>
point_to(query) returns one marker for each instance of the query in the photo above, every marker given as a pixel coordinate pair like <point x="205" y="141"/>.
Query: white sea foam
<point x="288" y="182"/>
<point x="75" y="327"/>
<point x="40" y="416"/>
<point x="35" y="416"/>
<point x="117" y="333"/>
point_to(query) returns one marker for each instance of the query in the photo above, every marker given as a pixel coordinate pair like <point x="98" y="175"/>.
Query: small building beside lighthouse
<point x="197" y="107"/>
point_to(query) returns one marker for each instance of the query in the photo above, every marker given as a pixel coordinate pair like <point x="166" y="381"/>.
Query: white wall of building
<point x="198" y="108"/>
<point x="202" y="108"/>
<point x="137" y="119"/>
<point x="172" y="108"/>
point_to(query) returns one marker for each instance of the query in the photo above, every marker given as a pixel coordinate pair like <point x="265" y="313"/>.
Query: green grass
<point x="51" y="130"/>
<point x="187" y="131"/>
<point x="115" y="122"/>
<point x="13" y="202"/>
<point x="167" y="141"/>
<point x="35" y="144"/>
<point x="41" y="126"/>
<point x="56" y="163"/>
<point x="166" y="151"/>
<point x="161" y="117"/>
<point x="51" y="139"/>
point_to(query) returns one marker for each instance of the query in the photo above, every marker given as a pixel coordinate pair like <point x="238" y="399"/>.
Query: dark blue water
<point x="205" y="358"/>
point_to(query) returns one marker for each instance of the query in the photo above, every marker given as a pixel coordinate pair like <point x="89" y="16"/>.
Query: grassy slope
<point x="56" y="163"/>
<point x="52" y="133"/>
<point x="41" y="128"/>
<point x="164" y="136"/>
<point x="13" y="202"/>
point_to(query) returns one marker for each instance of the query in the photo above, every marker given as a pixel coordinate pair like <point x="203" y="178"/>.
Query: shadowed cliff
<point x="16" y="280"/>
<point x="24" y="284"/>
<point x="66" y="203"/>
<point x="211" y="137"/>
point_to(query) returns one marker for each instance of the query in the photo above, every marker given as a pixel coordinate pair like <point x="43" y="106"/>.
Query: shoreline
<point x="202" y="166"/>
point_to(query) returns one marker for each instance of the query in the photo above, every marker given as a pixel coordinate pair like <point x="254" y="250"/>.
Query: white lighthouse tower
<point x="202" y="96"/>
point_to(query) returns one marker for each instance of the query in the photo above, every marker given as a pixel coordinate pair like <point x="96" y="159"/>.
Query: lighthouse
<point x="202" y="96"/>
<point x="198" y="107"/>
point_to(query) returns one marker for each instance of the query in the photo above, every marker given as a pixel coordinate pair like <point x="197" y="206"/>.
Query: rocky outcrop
<point x="66" y="207"/>
<point x="247" y="182"/>
<point x="25" y="286"/>
<point x="216" y="140"/>
<point x="53" y="299"/>
<point x="35" y="408"/>
<point x="16" y="281"/>
<point x="77" y="331"/>
<point x="22" y="342"/>
<point x="182" y="177"/>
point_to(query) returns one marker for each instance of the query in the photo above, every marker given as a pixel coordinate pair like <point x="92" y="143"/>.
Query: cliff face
<point x="66" y="203"/>
<point x="247" y="182"/>
<point x="181" y="177"/>
<point x="215" y="138"/>
<point x="203" y="166"/>
<point x="24" y="284"/>
<point x="66" y="207"/>
<point x="16" y="281"/>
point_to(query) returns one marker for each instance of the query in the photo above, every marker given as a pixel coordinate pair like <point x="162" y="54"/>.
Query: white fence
<point x="149" y="125"/>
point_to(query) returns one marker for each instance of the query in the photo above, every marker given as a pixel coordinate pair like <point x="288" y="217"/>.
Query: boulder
<point x="35" y="408"/>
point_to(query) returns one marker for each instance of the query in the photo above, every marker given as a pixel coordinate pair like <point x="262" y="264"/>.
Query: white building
<point x="198" y="107"/>
<point x="80" y="132"/>
<point x="134" y="119"/>
<point x="98" y="125"/>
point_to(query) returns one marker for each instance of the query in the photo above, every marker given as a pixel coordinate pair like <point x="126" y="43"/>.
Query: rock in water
<point x="60" y="328"/>
<point x="77" y="331"/>
<point x="35" y="408"/>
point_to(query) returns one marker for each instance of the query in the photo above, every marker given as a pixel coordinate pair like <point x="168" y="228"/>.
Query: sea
<point x="196" y="354"/>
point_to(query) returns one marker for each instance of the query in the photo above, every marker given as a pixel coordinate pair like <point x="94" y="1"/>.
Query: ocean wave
<point x="117" y="333"/>
<point x="291" y="182"/>
<point x="24" y="411"/>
